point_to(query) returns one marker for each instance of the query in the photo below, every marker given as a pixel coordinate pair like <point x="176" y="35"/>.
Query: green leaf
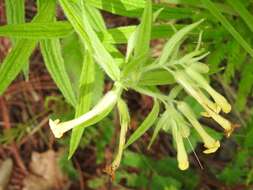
<point x="143" y="34"/>
<point x="245" y="86"/>
<point x="15" y="12"/>
<point x="227" y="25"/>
<point x="146" y="124"/>
<point x="216" y="57"/>
<point x="156" y="77"/>
<point x="97" y="22"/>
<point x="248" y="139"/>
<point x="16" y="59"/>
<point x="166" y="167"/>
<point x="139" y="41"/>
<point x="72" y="52"/>
<point x="134" y="8"/>
<point x="79" y="20"/>
<point x="95" y="18"/>
<point x="37" y="30"/>
<point x="236" y="56"/>
<point x="120" y="35"/>
<point x="166" y="183"/>
<point x="52" y="55"/>
<point x="86" y="86"/>
<point x="239" y="7"/>
<point x="174" y="40"/>
<point x="133" y="180"/>
<point x="221" y="6"/>
<point x="60" y="29"/>
<point x="51" y="52"/>
<point x="163" y="120"/>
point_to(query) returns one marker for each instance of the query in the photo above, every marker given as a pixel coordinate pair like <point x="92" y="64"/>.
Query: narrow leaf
<point x="16" y="59"/>
<point x="134" y="8"/>
<point x="174" y="40"/>
<point x="52" y="55"/>
<point x="156" y="77"/>
<point x="80" y="23"/>
<point x="239" y="7"/>
<point x="15" y="12"/>
<point x="146" y="124"/>
<point x="163" y="120"/>
<point x="139" y="41"/>
<point x="245" y="86"/>
<point x="144" y="31"/>
<point x="37" y="30"/>
<point x="86" y="86"/>
<point x="51" y="52"/>
<point x="226" y="24"/>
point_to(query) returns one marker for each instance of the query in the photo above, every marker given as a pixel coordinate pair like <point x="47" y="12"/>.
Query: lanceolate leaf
<point x="118" y="35"/>
<point x="52" y="56"/>
<point x="97" y="22"/>
<point x="163" y="120"/>
<point x="229" y="27"/>
<point x="174" y="40"/>
<point x="147" y="123"/>
<point x="195" y="3"/>
<point x="82" y="26"/>
<point x="245" y="86"/>
<point x="134" y="8"/>
<point x="243" y="12"/>
<point x="37" y="30"/>
<point x="139" y="41"/>
<point x="144" y="31"/>
<point x="156" y="77"/>
<point x="14" y="62"/>
<point x="16" y="59"/>
<point x="15" y="12"/>
<point x="53" y="59"/>
<point x="86" y="86"/>
<point x="95" y="18"/>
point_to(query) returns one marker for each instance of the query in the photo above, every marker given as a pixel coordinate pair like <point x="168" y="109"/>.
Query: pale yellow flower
<point x="182" y="157"/>
<point x="100" y="110"/>
<point x="190" y="88"/>
<point x="224" y="123"/>
<point x="211" y="144"/>
<point x="218" y="98"/>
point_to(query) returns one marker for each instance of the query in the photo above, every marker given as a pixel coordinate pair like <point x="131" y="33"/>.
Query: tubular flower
<point x="195" y="93"/>
<point x="99" y="111"/>
<point x="224" y="123"/>
<point x="211" y="144"/>
<point x="179" y="121"/>
<point x="182" y="157"/>
<point x="218" y="98"/>
<point x="212" y="110"/>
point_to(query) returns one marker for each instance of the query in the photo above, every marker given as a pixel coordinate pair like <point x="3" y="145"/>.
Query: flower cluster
<point x="188" y="73"/>
<point x="194" y="84"/>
